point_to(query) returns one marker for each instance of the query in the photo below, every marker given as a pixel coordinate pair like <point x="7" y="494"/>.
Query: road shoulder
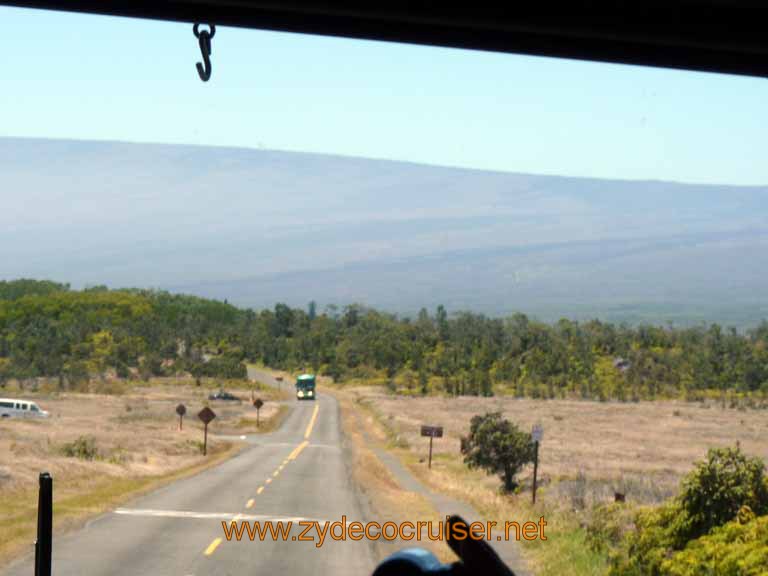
<point x="441" y="504"/>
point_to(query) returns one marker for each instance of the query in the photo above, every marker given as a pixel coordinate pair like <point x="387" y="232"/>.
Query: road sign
<point x="279" y="378"/>
<point x="432" y="431"/>
<point x="258" y="403"/>
<point x="206" y="415"/>
<point x="536" y="434"/>
<point x="181" y="410"/>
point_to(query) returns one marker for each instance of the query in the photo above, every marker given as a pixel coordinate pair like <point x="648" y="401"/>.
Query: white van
<point x="12" y="408"/>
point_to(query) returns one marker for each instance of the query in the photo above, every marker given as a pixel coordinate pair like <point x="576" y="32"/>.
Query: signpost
<point x="536" y="434"/>
<point x="44" y="542"/>
<point x="181" y="410"/>
<point x="258" y="403"/>
<point x="206" y="415"/>
<point x="432" y="432"/>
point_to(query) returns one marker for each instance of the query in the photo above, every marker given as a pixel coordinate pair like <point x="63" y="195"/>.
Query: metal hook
<point x="204" y="39"/>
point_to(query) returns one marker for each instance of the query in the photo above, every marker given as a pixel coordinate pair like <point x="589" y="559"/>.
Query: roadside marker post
<point x="44" y="542"/>
<point x="258" y="403"/>
<point x="181" y="410"/>
<point x="206" y="415"/>
<point x="536" y="434"/>
<point x="432" y="432"/>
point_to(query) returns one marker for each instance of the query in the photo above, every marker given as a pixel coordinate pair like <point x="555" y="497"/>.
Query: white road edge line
<point x="211" y="515"/>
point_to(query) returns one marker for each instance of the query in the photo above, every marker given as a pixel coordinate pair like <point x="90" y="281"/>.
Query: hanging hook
<point x="204" y="38"/>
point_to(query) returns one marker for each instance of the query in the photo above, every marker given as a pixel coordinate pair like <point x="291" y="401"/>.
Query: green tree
<point x="423" y="381"/>
<point x="497" y="446"/>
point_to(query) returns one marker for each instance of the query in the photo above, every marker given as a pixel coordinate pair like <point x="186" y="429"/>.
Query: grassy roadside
<point x="565" y="550"/>
<point x="78" y="499"/>
<point x="268" y="423"/>
<point x="384" y="499"/>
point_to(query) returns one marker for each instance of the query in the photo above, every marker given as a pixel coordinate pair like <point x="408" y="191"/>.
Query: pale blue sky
<point x="88" y="77"/>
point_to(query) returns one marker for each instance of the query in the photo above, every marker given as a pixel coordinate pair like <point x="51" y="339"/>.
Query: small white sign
<point x="537" y="432"/>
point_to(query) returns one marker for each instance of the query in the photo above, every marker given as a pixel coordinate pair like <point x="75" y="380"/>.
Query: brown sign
<point x="206" y="415"/>
<point x="258" y="403"/>
<point x="279" y="378"/>
<point x="432" y="431"/>
<point x="181" y="409"/>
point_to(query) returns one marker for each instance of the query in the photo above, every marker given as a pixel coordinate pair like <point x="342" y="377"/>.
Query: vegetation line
<point x="47" y="330"/>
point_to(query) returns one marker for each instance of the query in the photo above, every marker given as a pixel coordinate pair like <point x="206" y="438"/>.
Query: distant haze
<point x="258" y="227"/>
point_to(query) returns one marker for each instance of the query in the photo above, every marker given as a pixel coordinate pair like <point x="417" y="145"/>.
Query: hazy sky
<point x="87" y="77"/>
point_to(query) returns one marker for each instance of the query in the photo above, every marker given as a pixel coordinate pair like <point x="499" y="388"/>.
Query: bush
<point x="738" y="548"/>
<point x="84" y="448"/>
<point x="712" y="495"/>
<point x="607" y="526"/>
<point x="656" y="535"/>
<point x="715" y="491"/>
<point x="498" y="446"/>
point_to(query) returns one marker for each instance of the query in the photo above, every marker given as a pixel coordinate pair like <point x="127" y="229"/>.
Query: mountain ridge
<point x="258" y="227"/>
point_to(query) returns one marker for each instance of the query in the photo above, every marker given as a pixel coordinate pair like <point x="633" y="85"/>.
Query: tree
<point x="441" y="317"/>
<point x="486" y="386"/>
<point x="75" y="372"/>
<point x="423" y="382"/>
<point x="498" y="446"/>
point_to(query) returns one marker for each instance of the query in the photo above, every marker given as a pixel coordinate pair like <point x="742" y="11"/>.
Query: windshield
<point x="369" y="285"/>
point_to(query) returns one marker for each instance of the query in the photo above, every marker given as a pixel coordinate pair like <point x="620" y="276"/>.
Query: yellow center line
<point x="293" y="453"/>
<point x="249" y="504"/>
<point x="297" y="450"/>
<point x="275" y="473"/>
<point x="312" y="421"/>
<point x="212" y="547"/>
<point x="260" y="490"/>
<point x="285" y="461"/>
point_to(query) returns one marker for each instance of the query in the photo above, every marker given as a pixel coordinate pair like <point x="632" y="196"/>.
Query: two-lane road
<point x="297" y="472"/>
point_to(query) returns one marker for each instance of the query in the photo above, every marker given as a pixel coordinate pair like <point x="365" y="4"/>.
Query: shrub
<point x="84" y="448"/>
<point x="577" y="491"/>
<point x="656" y="534"/>
<point x="738" y="548"/>
<point x="607" y="526"/>
<point x="715" y="491"/>
<point x="712" y="495"/>
<point x="498" y="446"/>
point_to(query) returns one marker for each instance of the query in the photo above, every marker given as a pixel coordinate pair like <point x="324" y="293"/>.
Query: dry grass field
<point x="589" y="450"/>
<point x="643" y="447"/>
<point x="103" y="448"/>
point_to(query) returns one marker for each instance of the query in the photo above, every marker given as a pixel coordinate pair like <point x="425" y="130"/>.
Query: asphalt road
<point x="297" y="472"/>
